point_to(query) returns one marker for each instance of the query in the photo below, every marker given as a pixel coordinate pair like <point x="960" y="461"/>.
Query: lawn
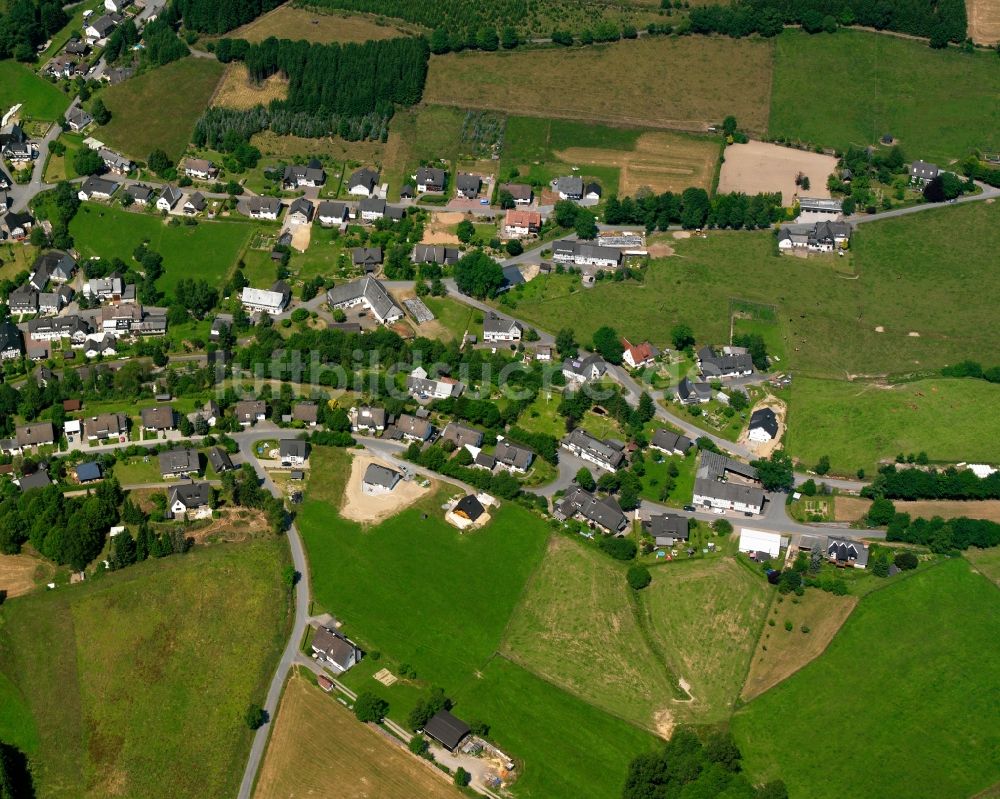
<point x="455" y="317"/>
<point x="577" y="627"/>
<point x="828" y="323"/>
<point x="155" y="667"/>
<point x="179" y="92"/>
<point x="657" y="473"/>
<point x="138" y="470"/>
<point x="569" y="749"/>
<point x="704" y="616"/>
<point x="923" y="718"/>
<point x="946" y="418"/>
<point x="542" y="416"/>
<point x="640" y="83"/>
<point x="933" y="101"/>
<point x="986" y="561"/>
<point x="208" y="250"/>
<point x="40" y="99"/>
<point x="316" y="741"/>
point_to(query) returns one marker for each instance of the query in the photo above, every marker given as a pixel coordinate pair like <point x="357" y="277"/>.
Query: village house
<point x="140" y="193"/>
<point x="820" y="237"/>
<point x="331" y="214"/>
<point x="512" y="457"/>
<point x="120" y="318"/>
<point x="17" y="225"/>
<point x="763" y="426"/>
<point x="521" y="193"/>
<point x="16" y="146"/>
<point x="500" y="328"/>
<point x="306" y="412"/>
<point x="727" y="484"/>
<point x="77" y="118"/>
<point x="362" y="183"/>
<point x="194" y="204"/>
<point x="23" y="299"/>
<point x="923" y="172"/>
<point x="603" y="514"/>
<point x="430" y="179"/>
<point x="73" y="328"/>
<point x="733" y="362"/>
<point x="57" y="265"/>
<point x="169" y="197"/>
<point x="692" y="392"/>
<point x="220" y="460"/>
<point x="100" y="28"/>
<point x="466" y="512"/>
<point x="293" y="451"/>
<point x="462" y="435"/>
<point x="670" y="443"/>
<point x="667" y="529"/>
<point x="379" y="480"/>
<point x="29" y="482"/>
<point x="608" y="455"/>
<point x="300" y="211"/>
<point x="249" y="412"/>
<point x="118" y="164"/>
<point x="104" y="288"/>
<point x="272" y="301"/>
<point x="467" y="185"/>
<point x="582" y="370"/>
<point x="638" y="355"/>
<point x="95" y="188"/>
<point x="334" y="650"/>
<point x="371" y="209"/>
<point x="189" y="501"/>
<point x="88" y="472"/>
<point x="29" y="436"/>
<point x="413" y="428"/>
<point x="843" y="552"/>
<point x="367" y="419"/>
<point x="519" y="222"/>
<point x="421" y="386"/>
<point x="434" y="254"/>
<point x="367" y="292"/>
<point x="179" y="462"/>
<point x="569" y="188"/>
<point x="297" y="175"/>
<point x="200" y="168"/>
<point x="581" y="253"/>
<point x="367" y="258"/>
<point x="158" y="418"/>
<point x="106" y="426"/>
<point x="263" y="207"/>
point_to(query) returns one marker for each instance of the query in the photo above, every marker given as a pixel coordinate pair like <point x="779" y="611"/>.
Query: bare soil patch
<point x="19" y="574"/>
<point x="781" y="653"/>
<point x="290" y="22"/>
<point x="317" y="742"/>
<point x="301" y="236"/>
<point x="237" y="91"/>
<point x="439" y="229"/>
<point x="757" y="167"/>
<point x="661" y="161"/>
<point x="360" y="507"/>
<point x="984" y="21"/>
<point x="849" y="509"/>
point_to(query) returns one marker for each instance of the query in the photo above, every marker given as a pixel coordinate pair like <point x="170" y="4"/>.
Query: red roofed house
<point x="637" y="355"/>
<point x="519" y="223"/>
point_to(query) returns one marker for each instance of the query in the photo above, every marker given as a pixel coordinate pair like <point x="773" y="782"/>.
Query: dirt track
<point x="360" y="507"/>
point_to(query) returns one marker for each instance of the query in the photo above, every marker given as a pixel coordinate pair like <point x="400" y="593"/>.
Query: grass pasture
<point x="923" y="719"/>
<point x="314" y="25"/>
<point x="316" y="741"/>
<point x="237" y="91"/>
<point x="896" y="86"/>
<point x="40" y="99"/>
<point x="986" y="562"/>
<point x="639" y="82"/>
<point x="179" y="92"/>
<point x="156" y="666"/>
<point x="208" y="250"/>
<point x="943" y="417"/>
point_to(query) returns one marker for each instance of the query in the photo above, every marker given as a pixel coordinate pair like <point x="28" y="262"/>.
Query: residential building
<point x="88" y="472"/>
<point x="423" y="387"/>
<point x="667" y="529"/>
<point x="823" y="236"/>
<point x="761" y="542"/>
<point x="220" y="326"/>
<point x="671" y="443"/>
<point x="602" y="513"/>
<point x="331" y="214"/>
<point x="200" y="169"/>
<point x="468" y="509"/>
<point x="923" y="172"/>
<point x="120" y="318"/>
<point x="592" y="191"/>
<point x="500" y="328"/>
<point x="414" y="428"/>
<point x="51" y="302"/>
<point x="220" y="460"/>
<point x="16" y="146"/>
<point x="11" y="342"/>
<point x="608" y="455"/>
<point x="334" y="650"/>
<point x="117" y="6"/>
<point x="763" y="425"/>
<point x="462" y="435"/>
<point x="297" y="175"/>
<point x="189" y="501"/>
<point x="371" y="209"/>
<point x="272" y="301"/>
<point x="17" y="225"/>
<point x="844" y="552"/>
<point x="106" y="426"/>
<point x="467" y="185"/>
<point x="363" y="182"/>
<point x="367" y="292"/>
<point x="727" y="484"/>
<point x="484" y="460"/>
<point x="636" y="356"/>
<point x="169" y="197"/>
<point x="512" y="457"/>
<point x="367" y="419"/>
<point x="58" y="266"/>
<point x="38" y="434"/>
<point x="306" y="412"/>
<point x="690" y="392"/>
<point x="582" y="370"/>
<point x="116" y="163"/>
<point x="522" y="193"/>
<point x="76" y="117"/>
<point x="23" y="299"/>
<point x="194" y="204"/>
<point x="73" y="328"/>
<point x="430" y="179"/>
<point x="447" y="730"/>
<point x="29" y="482"/>
<point x="379" y="480"/>
<point x="300" y="211"/>
<point x="249" y="412"/>
<point x="733" y="362"/>
<point x="179" y="462"/>
<point x="434" y="254"/>
<point x="519" y="223"/>
<point x="569" y="188"/>
<point x="293" y="451"/>
<point x="581" y="253"/>
<point x="95" y="188"/>
<point x="263" y="207"/>
<point x="158" y="418"/>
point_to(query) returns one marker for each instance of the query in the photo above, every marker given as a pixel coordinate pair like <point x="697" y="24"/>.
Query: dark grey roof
<point x="373" y="293"/>
<point x="363" y="177"/>
<point x="139" y="192"/>
<point x="379" y="475"/>
<point x="765" y="418"/>
<point x="604" y="451"/>
<point x="715" y="465"/>
<point x="570" y="186"/>
<point x="585" y="366"/>
<point x="301" y="206"/>
<point x="446" y="729"/>
<point x="431" y="175"/>
<point x="220" y="460"/>
<point x="95" y="185"/>
<point x="513" y="455"/>
<point x="179" y="461"/>
<point x="171" y="194"/>
<point x="191" y="495"/>
<point x="371" y="417"/>
<point x="88" y="471"/>
<point x="469" y="506"/>
<point x="10" y="337"/>
<point x="432" y="253"/>
<point x="413" y="426"/>
<point x="667" y="526"/>
<point x="485" y="460"/>
<point x="670" y="441"/>
<point x="604" y="512"/>
<point x="366" y="256"/>
<point x="374" y="205"/>
<point x="292" y="447"/>
<point x="688" y="388"/>
<point x="847" y="551"/>
<point x="582" y="249"/>
<point x="330" y="210"/>
<point x="257" y="205"/>
<point x="718" y="365"/>
<point x="462" y="434"/>
<point x="311" y="173"/>
<point x="494" y="323"/>
<point x="467" y="183"/>
<point x="158" y="418"/>
<point x="39" y="479"/>
<point x="335" y="647"/>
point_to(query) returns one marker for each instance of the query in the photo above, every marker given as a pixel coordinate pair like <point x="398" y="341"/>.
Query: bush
<point x="639" y="577"/>
<point x="618" y="548"/>
<point x="462" y="777"/>
<point x="370" y="708"/>
<point x="905" y="561"/>
<point x="788" y="626"/>
<point x="418" y="745"/>
<point x="255" y="716"/>
<point x="300" y="314"/>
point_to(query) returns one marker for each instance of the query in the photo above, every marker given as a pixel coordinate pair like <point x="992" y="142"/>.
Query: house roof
<point x="670" y="441"/>
<point x="328" y="210"/>
<point x="521" y="217"/>
<point x="313" y="172"/>
<point x="846" y="550"/>
<point x="171" y="194"/>
<point x="39" y="479"/>
<point x="583" y="249"/>
<point x="584" y="366"/>
<point x="494" y="323"/>
<point x="374" y="205"/>
<point x="301" y="205"/>
<point x="31" y="435"/>
<point x="513" y="455"/>
<point x="640" y="352"/>
<point x="366" y="256"/>
<point x="462" y="434"/>
<point x="305" y="412"/>
<point x="715" y="466"/>
<point x="363" y="177"/>
<point x="432" y="175"/>
<point x="139" y="192"/>
<point x="605" y="451"/>
<point x="105" y="424"/>
<point x="668" y="525"/>
<point x="466" y="182"/>
<point x="292" y="447"/>
<point x="370" y="416"/>
<point x="485" y="460"/>
<point x="371" y="290"/>
<point x="469" y="506"/>
<point x="88" y="471"/>
<point x="196" y="200"/>
<point x="604" y="512"/>
<point x="379" y="475"/>
<point x="414" y="426"/>
<point x="445" y="728"/>
<point x="432" y="253"/>
<point x="220" y="459"/>
<point x="519" y="191"/>
<point x="765" y="418"/>
<point x="199" y="165"/>
<point x="57" y="263"/>
<point x="190" y="495"/>
<point x="257" y="205"/>
<point x="158" y="418"/>
<point x="96" y="185"/>
<point x="175" y="461"/>
<point x="570" y="186"/>
<point x="250" y="409"/>
<point x="334" y="646"/>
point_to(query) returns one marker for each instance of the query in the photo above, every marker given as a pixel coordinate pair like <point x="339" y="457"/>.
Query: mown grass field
<point x="828" y="320"/>
<point x="892" y="86"/>
<point x="40" y="99"/>
<point x="909" y="687"/>
<point x="986" y="561"/>
<point x="313" y="25"/>
<point x="136" y="682"/>
<point x="316" y="741"/>
<point x="858" y="424"/>
<point x="136" y="131"/>
<point x="208" y="250"/>
<point x="638" y="83"/>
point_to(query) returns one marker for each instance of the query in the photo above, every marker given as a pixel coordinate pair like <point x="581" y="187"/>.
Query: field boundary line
<point x="532" y="578"/>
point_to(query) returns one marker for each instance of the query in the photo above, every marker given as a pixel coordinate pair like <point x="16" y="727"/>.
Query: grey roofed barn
<point x="447" y="730"/>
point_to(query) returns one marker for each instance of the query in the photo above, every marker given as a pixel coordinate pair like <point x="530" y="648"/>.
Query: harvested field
<point x="317" y="742"/>
<point x="661" y="161"/>
<point x="639" y="82"/>
<point x="19" y="574"/>
<point x="757" y="167"/>
<point x="290" y="22"/>
<point x="781" y="653"/>
<point x="237" y="91"/>
<point x="849" y="509"/>
<point x="359" y="507"/>
<point x="984" y="21"/>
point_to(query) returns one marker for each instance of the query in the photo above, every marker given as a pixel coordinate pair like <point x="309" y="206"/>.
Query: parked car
<point x="689" y="508"/>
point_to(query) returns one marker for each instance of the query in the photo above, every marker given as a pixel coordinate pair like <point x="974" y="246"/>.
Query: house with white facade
<point x="369" y="293"/>
<point x="500" y="328"/>
<point x="727" y="484"/>
<point x="271" y="301"/>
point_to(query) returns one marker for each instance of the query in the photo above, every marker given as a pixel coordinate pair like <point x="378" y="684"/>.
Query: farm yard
<point x="314" y="25"/>
<point x="896" y="86"/>
<point x="318" y="742"/>
<point x="237" y="91"/>
<point x="916" y="638"/>
<point x="757" y="167"/>
<point x="135" y="131"/>
<point x="118" y="711"/>
<point x="638" y="82"/>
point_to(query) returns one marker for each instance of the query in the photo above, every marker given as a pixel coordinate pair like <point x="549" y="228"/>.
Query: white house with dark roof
<point x="367" y="419"/>
<point x="332" y="214"/>
<point x="522" y="193"/>
<point x="434" y="254"/>
<point x="670" y="443"/>
<point x="369" y="293"/>
<point x="430" y="179"/>
<point x="923" y="172"/>
<point x="763" y="426"/>
<point x="272" y="301"/>
<point x="189" y="501"/>
<point x="667" y="529"/>
<point x="569" y="188"/>
<point x="413" y="428"/>
<point x="379" y="480"/>
<point x="169" y="197"/>
<point x="200" y="168"/>
<point x="467" y="185"/>
<point x="512" y="457"/>
<point x="299" y="175"/>
<point x="423" y="387"/>
<point x="727" y="484"/>
<point x="607" y="455"/>
<point x="371" y="209"/>
<point x="263" y="207"/>
<point x="500" y="328"/>
<point x="363" y="182"/>
<point x="733" y="362"/>
<point x="602" y="513"/>
<point x="333" y="650"/>
<point x="300" y="211"/>
<point x="843" y="552"/>
<point x="582" y="370"/>
<point x="582" y="253"/>
<point x="11" y="342"/>
<point x="95" y="188"/>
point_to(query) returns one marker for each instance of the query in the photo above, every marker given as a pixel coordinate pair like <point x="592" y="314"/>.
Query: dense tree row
<point x="221" y="16"/>
<point x="27" y="24"/>
<point x="972" y="369"/>
<point x="942" y="535"/>
<point x="893" y="483"/>
<point x="437" y="458"/>
<point x="972" y="167"/>
<point x="216" y="123"/>
<point x="939" y="20"/>
<point x="694" y="209"/>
